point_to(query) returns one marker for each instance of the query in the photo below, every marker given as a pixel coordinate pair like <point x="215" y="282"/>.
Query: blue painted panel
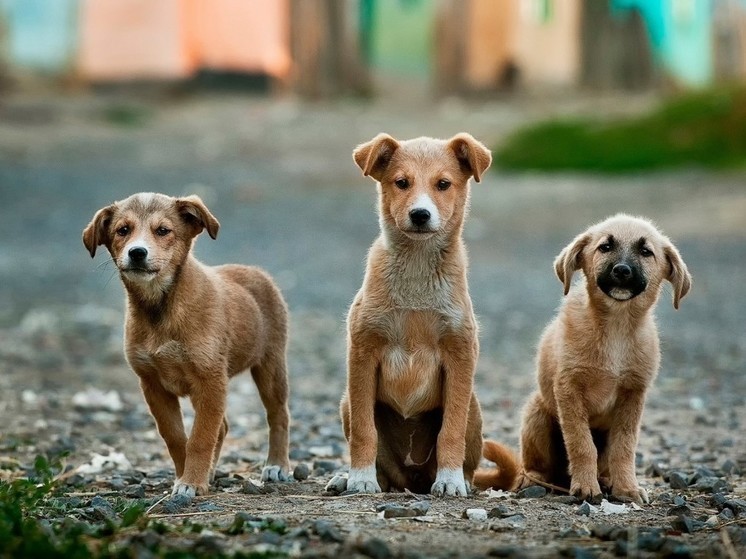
<point x="42" y="34"/>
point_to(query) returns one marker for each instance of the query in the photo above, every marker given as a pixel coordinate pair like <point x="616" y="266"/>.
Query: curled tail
<point x="506" y="473"/>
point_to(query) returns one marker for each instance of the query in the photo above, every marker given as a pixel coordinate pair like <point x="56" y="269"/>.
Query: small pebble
<point x="337" y="485"/>
<point x="248" y="487"/>
<point x="686" y="524"/>
<point x="678" y="480"/>
<point x="134" y="492"/>
<point x="584" y="509"/>
<point x="176" y="503"/>
<point x="500" y="511"/>
<point x="477" y="515"/>
<point x="327" y="531"/>
<point x="301" y="472"/>
<point x="375" y="548"/>
<point x="325" y="466"/>
<point x="395" y="510"/>
<point x="532" y="492"/>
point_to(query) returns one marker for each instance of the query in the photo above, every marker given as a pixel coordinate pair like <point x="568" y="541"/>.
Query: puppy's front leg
<point x="622" y="444"/>
<point x="209" y="403"/>
<point x="363" y="439"/>
<point x="576" y="432"/>
<point x="166" y="411"/>
<point x="460" y="356"/>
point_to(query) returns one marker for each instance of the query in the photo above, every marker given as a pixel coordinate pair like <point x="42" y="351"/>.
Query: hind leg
<point x="218" y="447"/>
<point x="272" y="383"/>
<point x="536" y="443"/>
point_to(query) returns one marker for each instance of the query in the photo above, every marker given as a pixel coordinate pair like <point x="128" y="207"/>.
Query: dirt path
<point x="280" y="178"/>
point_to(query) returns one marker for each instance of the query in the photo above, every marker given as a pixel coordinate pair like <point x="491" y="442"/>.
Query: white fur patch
<point x="449" y="481"/>
<point x="363" y="480"/>
<point x="424" y="202"/>
<point x="620" y="294"/>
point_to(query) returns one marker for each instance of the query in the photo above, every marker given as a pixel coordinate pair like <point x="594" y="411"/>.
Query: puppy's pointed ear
<point x="97" y="231"/>
<point x="193" y="210"/>
<point x="472" y="155"/>
<point x="570" y="260"/>
<point x="678" y="274"/>
<point x="373" y="157"/>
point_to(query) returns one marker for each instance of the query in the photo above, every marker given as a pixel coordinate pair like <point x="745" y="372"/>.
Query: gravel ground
<point x="279" y="177"/>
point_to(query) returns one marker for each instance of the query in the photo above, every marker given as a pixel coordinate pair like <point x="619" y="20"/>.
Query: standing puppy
<point x="409" y="412"/>
<point x="598" y="357"/>
<point x="189" y="328"/>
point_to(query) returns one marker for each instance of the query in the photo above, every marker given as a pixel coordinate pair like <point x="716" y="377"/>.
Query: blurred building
<point x="324" y="48"/>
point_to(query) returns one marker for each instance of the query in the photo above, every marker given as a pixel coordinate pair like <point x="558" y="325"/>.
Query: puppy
<point x="597" y="359"/>
<point x="189" y="328"/>
<point x="409" y="411"/>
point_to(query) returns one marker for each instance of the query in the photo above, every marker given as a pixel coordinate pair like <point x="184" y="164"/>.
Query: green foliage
<point x="705" y="128"/>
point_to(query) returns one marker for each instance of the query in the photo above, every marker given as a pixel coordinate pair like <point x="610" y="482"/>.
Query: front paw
<point x="586" y="489"/>
<point x="635" y="494"/>
<point x="363" y="480"/>
<point x="274" y="473"/>
<point x="188" y="489"/>
<point x="449" y="482"/>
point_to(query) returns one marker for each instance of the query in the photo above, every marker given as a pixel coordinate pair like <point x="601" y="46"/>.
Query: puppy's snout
<point x="138" y="254"/>
<point x="621" y="272"/>
<point x="419" y="216"/>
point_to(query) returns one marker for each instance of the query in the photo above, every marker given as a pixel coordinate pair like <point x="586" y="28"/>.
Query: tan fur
<point x="189" y="328"/>
<point x="409" y="411"/>
<point x="596" y="361"/>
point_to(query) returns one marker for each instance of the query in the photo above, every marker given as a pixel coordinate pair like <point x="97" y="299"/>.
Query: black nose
<point x="419" y="216"/>
<point x="621" y="272"/>
<point x="138" y="254"/>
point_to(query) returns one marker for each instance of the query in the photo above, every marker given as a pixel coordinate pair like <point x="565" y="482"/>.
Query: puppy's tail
<point x="506" y="473"/>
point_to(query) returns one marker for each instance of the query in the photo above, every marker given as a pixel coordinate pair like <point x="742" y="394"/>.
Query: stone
<point x="301" y="472"/>
<point x="325" y="466"/>
<point x="532" y="492"/>
<point x="584" y="509"/>
<point x="134" y="492"/>
<point x="500" y="511"/>
<point x="395" y="510"/>
<point x="686" y="524"/>
<point x="375" y="548"/>
<point x="477" y="515"/>
<point x="327" y="531"/>
<point x="177" y="503"/>
<point x="678" y="480"/>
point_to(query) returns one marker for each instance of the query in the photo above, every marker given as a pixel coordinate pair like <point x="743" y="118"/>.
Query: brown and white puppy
<point x="189" y="328"/>
<point x="409" y="412"/>
<point x="597" y="359"/>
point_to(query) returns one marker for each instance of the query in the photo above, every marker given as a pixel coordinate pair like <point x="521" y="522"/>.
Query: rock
<point x="327" y="531"/>
<point x="674" y="548"/>
<point x="325" y="466"/>
<point x="134" y="492"/>
<point x="477" y="515"/>
<point x="177" y="503"/>
<point x="375" y="548"/>
<point x="679" y="500"/>
<point x="726" y="515"/>
<point x="712" y="522"/>
<point x="686" y="524"/>
<point x="532" y="492"/>
<point x="500" y="511"/>
<point x="565" y="499"/>
<point x="655" y="469"/>
<point x="679" y="510"/>
<point x="102" y="510"/>
<point x="503" y="551"/>
<point x="226" y="482"/>
<point x="395" y="510"/>
<point x="584" y="509"/>
<point x="248" y="487"/>
<point x="301" y="472"/>
<point x="300" y="454"/>
<point x="337" y="485"/>
<point x="607" y="532"/>
<point x="738" y="506"/>
<point x="678" y="480"/>
<point x="710" y="484"/>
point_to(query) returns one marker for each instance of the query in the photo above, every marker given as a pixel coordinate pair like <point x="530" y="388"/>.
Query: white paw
<point x="450" y="482"/>
<point x="363" y="480"/>
<point x="274" y="473"/>
<point x="183" y="489"/>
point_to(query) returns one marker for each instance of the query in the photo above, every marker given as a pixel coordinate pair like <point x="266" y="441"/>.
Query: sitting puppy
<point x="597" y="359"/>
<point x="409" y="412"/>
<point x="189" y="328"/>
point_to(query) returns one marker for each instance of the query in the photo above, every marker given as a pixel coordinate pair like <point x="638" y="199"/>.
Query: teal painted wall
<point x="41" y="34"/>
<point x="680" y="32"/>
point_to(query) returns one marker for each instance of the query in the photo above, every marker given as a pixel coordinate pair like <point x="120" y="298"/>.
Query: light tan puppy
<point x="189" y="328"/>
<point x="409" y="411"/>
<point x="597" y="359"/>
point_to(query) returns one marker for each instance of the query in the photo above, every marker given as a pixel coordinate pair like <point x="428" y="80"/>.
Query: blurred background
<point x="591" y="107"/>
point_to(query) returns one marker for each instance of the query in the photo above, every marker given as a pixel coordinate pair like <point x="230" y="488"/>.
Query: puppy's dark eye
<point x="606" y="247"/>
<point x="646" y="252"/>
<point x="123" y="231"/>
<point x="162" y="231"/>
<point x="443" y="184"/>
<point x="401" y="183"/>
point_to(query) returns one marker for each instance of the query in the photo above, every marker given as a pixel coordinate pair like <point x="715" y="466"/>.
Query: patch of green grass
<point x="705" y="128"/>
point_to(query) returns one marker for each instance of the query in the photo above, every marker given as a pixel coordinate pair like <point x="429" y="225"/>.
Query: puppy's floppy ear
<point x="471" y="153"/>
<point x="678" y="274"/>
<point x="193" y="210"/>
<point x="373" y="157"/>
<point x="570" y="260"/>
<point x="97" y="231"/>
